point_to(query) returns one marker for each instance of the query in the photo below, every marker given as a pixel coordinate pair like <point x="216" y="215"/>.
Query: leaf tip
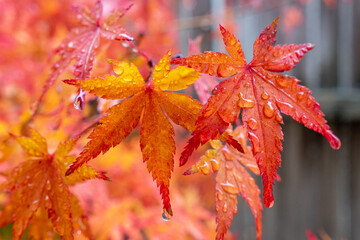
<point x="71" y="81"/>
<point x="188" y="172"/>
<point x="333" y="140"/>
<point x="276" y="21"/>
<point x="102" y="175"/>
<point x="222" y="29"/>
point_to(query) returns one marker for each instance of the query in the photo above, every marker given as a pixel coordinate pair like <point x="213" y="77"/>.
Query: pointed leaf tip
<point x="276" y="20"/>
<point x="333" y="140"/>
<point x="222" y="29"/>
<point x="70" y="81"/>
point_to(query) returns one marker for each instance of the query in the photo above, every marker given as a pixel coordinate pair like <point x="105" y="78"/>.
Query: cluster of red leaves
<point x="260" y="95"/>
<point x="81" y="44"/>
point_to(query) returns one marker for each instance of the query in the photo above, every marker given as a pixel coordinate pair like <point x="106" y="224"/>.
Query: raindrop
<point x="128" y="78"/>
<point x="278" y="117"/>
<point x="70" y="46"/>
<point x="271" y="204"/>
<point x="205" y="168"/>
<point x="225" y="208"/>
<point x="158" y="68"/>
<point x="253" y="124"/>
<point x="220" y="195"/>
<point x="282" y="82"/>
<point x="245" y="103"/>
<point x="254" y="142"/>
<point x="269" y="110"/>
<point x="265" y="95"/>
<point x="300" y="96"/>
<point x="215" y="165"/>
<point x="229" y="188"/>
<point x="166" y="216"/>
<point x="304" y="119"/>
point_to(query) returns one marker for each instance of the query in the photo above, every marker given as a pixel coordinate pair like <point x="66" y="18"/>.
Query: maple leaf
<point x="39" y="190"/>
<point x="260" y="94"/>
<point x="81" y="44"/>
<point x="151" y="103"/>
<point x="232" y="179"/>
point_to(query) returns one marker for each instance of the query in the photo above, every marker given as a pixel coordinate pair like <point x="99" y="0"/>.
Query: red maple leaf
<point x="149" y="102"/>
<point x="81" y="44"/>
<point x="232" y="179"/>
<point x="260" y="94"/>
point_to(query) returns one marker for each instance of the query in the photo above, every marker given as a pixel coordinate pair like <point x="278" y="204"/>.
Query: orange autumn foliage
<point x="148" y="102"/>
<point x="39" y="190"/>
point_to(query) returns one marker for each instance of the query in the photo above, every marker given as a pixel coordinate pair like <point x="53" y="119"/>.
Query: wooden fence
<point x="320" y="188"/>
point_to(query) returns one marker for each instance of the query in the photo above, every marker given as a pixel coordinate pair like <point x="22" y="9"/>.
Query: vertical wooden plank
<point x="217" y="8"/>
<point x="355" y="180"/>
<point x="343" y="186"/>
<point x="345" y="44"/>
<point x="313" y="35"/>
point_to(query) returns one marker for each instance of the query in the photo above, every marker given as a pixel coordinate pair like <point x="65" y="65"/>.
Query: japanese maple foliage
<point x="148" y="102"/>
<point x="39" y="190"/>
<point x="259" y="94"/>
<point x="232" y="179"/>
<point x="82" y="42"/>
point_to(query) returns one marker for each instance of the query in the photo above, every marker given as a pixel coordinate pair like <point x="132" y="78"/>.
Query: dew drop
<point x="278" y="117"/>
<point x="158" y="68"/>
<point x="215" y="164"/>
<point x="245" y="103"/>
<point x="119" y="70"/>
<point x="282" y="82"/>
<point x="223" y="90"/>
<point x="304" y="119"/>
<point x="229" y="188"/>
<point x="233" y="41"/>
<point x="253" y="124"/>
<point x="166" y="216"/>
<point x="265" y="95"/>
<point x="300" y="96"/>
<point x="70" y="46"/>
<point x="220" y="195"/>
<point x="269" y="110"/>
<point x="56" y="66"/>
<point x="255" y="143"/>
<point x="128" y="78"/>
<point x="205" y="168"/>
<point x="225" y="208"/>
<point x="271" y="204"/>
<point x="48" y="185"/>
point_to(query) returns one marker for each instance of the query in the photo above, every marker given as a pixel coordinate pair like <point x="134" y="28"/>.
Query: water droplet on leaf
<point x="229" y="188"/>
<point x="245" y="103"/>
<point x="269" y="110"/>
<point x="166" y="216"/>
<point x="253" y="124"/>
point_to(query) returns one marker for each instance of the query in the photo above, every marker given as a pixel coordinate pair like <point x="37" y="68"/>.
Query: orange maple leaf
<point x="260" y="94"/>
<point x="150" y="102"/>
<point x="39" y="191"/>
<point x="232" y="179"/>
